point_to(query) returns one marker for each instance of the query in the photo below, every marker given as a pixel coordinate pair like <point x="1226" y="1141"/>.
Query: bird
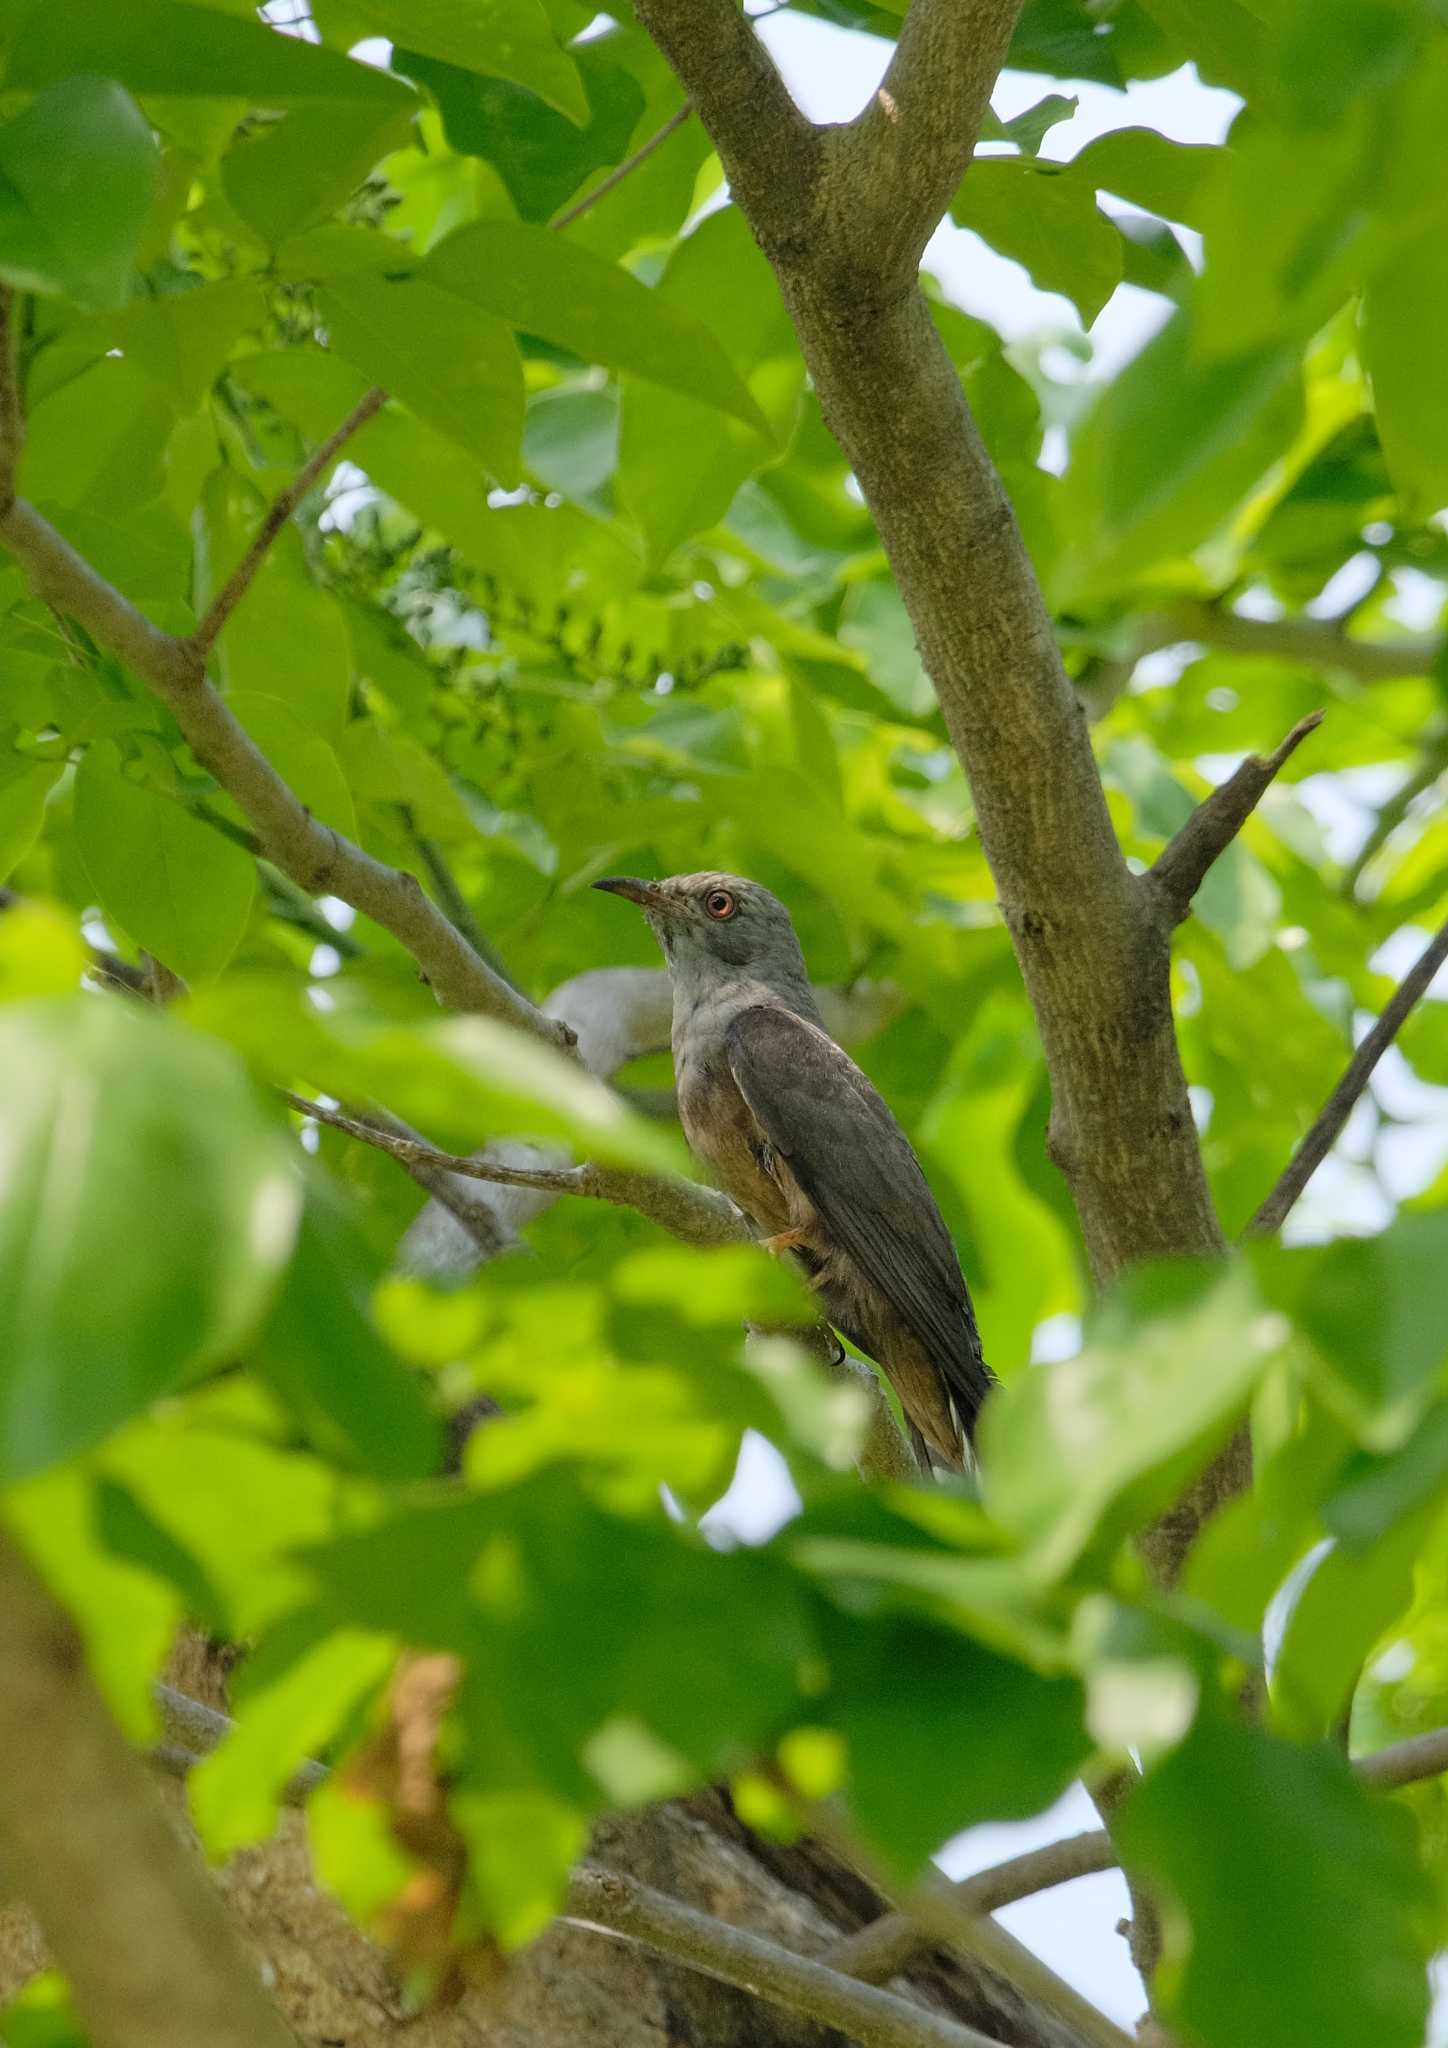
<point x="805" y="1144"/>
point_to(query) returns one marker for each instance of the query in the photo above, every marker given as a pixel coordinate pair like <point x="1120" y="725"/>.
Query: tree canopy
<point x="425" y="508"/>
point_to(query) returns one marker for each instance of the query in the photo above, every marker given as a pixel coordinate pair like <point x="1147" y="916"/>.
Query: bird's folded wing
<point x="856" y="1165"/>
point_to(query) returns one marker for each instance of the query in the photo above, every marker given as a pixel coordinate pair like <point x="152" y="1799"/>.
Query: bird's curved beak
<point x="646" y="894"/>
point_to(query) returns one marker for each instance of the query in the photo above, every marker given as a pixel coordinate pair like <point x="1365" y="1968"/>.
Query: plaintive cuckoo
<point x="804" y="1143"/>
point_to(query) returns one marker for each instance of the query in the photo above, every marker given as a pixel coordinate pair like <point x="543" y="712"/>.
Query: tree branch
<point x="1181" y="868"/>
<point x="885" y="1947"/>
<point x="616" y="1904"/>
<point x="1318" y="643"/>
<point x="629" y="165"/>
<point x="770" y="152"/>
<point x="686" y="1209"/>
<point x="315" y="856"/>
<point x="283" y="506"/>
<point x="901" y="159"/>
<point x="131" y="1917"/>
<point x="1339" y="1105"/>
<point x="1431" y="764"/>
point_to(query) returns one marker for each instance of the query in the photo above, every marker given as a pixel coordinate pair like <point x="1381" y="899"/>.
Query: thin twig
<point x="946" y="1921"/>
<point x="879" y="1951"/>
<point x="1419" y="781"/>
<point x="616" y="1904"/>
<point x="1339" y="1105"/>
<point x="685" y="1208"/>
<point x="630" y="164"/>
<point x="280" y="511"/>
<point x="1317" y="643"/>
<point x="1181" y="868"/>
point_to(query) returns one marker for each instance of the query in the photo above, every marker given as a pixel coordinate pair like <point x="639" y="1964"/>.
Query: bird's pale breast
<point x="722" y="1131"/>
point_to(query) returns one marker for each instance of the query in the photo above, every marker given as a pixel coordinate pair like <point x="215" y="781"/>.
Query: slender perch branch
<point x="1339" y="1105"/>
<point x="280" y="511"/>
<point x="130" y="1915"/>
<point x="617" y="1904"/>
<point x="685" y="1208"/>
<point x="1181" y="868"/>
<point x="886" y="1946"/>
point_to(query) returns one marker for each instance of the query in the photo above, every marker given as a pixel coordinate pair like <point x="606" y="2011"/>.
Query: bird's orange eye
<point x="719" y="903"/>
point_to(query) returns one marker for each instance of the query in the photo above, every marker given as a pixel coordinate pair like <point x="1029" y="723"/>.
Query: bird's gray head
<point x="718" y="928"/>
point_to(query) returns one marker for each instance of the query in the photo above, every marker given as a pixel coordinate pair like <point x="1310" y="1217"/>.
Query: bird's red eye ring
<point x="720" y="904"/>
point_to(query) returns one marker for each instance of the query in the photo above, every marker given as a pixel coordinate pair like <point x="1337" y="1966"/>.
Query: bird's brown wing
<point x="857" y="1167"/>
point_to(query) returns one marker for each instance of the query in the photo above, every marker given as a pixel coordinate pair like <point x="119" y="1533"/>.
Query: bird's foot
<point x="784" y="1241"/>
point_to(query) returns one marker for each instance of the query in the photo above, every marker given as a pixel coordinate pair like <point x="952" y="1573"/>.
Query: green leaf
<point x="1046" y="217"/>
<point x="944" y="1733"/>
<point x="1376" y="1316"/>
<point x="298" y="172"/>
<point x="127" y="1614"/>
<point x="1347" y="1604"/>
<point x="502" y="1080"/>
<point x="1316" y="1937"/>
<point x="233" y="1794"/>
<point x="166" y="46"/>
<point x="1029" y="130"/>
<point x="178" y="887"/>
<point x="1404" y="307"/>
<point x="1167" y="178"/>
<point x="1170" y="447"/>
<point x="540" y="156"/>
<point x="719" y="266"/>
<point x="1089" y="1448"/>
<point x="114" y="1120"/>
<point x="24" y="786"/>
<point x="323" y="1355"/>
<point x="218" y="1474"/>
<point x="565" y="295"/>
<point x="456" y="367"/>
<point x="510" y="39"/>
<point x="77" y="175"/>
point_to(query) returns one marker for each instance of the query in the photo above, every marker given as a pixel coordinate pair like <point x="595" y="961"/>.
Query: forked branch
<point x="1182" y="867"/>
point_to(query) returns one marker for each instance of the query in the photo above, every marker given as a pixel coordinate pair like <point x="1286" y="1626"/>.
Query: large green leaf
<point x="77" y="175"/>
<point x="944" y="1733"/>
<point x="1404" y="307"/>
<point x="24" y="786"/>
<point x="1376" y="1316"/>
<point x="542" y="156"/>
<point x="1170" y="448"/>
<point x="1140" y="165"/>
<point x="299" y="172"/>
<point x="510" y="39"/>
<point x="117" y="1123"/>
<point x="1303" y="1894"/>
<point x="1097" y="1444"/>
<point x="178" y="887"/>
<point x="167" y="46"/>
<point x="1046" y="217"/>
<point x="323" y="1354"/>
<point x="538" y="282"/>
<point x="457" y="367"/>
<point x="718" y="266"/>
